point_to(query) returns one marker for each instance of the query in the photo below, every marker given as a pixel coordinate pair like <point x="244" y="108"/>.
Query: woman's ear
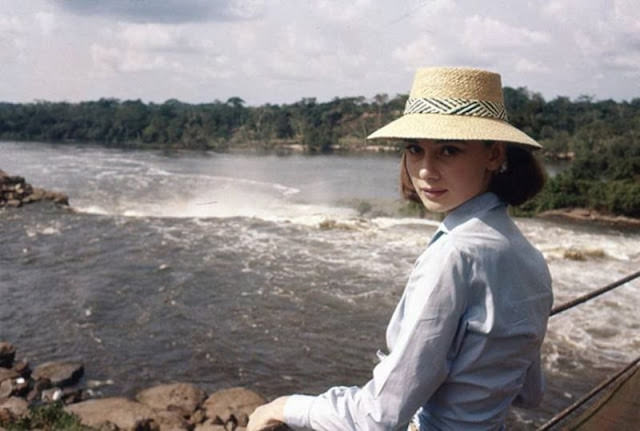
<point x="497" y="156"/>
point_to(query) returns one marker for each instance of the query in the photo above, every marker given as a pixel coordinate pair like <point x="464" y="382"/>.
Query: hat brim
<point x="438" y="126"/>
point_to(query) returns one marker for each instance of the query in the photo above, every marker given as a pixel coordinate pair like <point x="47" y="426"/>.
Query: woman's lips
<point x="433" y="193"/>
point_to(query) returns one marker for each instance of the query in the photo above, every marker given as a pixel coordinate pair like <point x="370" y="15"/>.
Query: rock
<point x="59" y="373"/>
<point x="39" y="194"/>
<point x="227" y="404"/>
<point x="184" y="397"/>
<point x="171" y="421"/>
<point x="38" y="387"/>
<point x="21" y="386"/>
<point x="209" y="425"/>
<point x="7" y="374"/>
<point x="198" y="417"/>
<point x="36" y="195"/>
<point x="7" y="354"/>
<point x="22" y="367"/>
<point x="6" y="388"/>
<point x="125" y="414"/>
<point x="14" y="192"/>
<point x="6" y="417"/>
<point x="51" y="395"/>
<point x="70" y="395"/>
<point x="16" y="406"/>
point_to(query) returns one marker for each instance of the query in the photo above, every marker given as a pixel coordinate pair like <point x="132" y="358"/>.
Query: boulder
<point x="22" y="367"/>
<point x="38" y="387"/>
<point x="14" y="192"/>
<point x="51" y="395"/>
<point x="198" y="417"/>
<point x="171" y="421"/>
<point x="6" y="388"/>
<point x="7" y="354"/>
<point x="125" y="414"/>
<point x="17" y="407"/>
<point x="210" y="425"/>
<point x="59" y="373"/>
<point x="233" y="404"/>
<point x="7" y="374"/>
<point x="183" y="397"/>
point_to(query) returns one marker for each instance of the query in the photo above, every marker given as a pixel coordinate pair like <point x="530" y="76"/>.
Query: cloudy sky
<point x="279" y="51"/>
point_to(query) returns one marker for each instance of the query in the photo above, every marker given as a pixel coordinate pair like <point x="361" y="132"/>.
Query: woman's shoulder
<point x="490" y="235"/>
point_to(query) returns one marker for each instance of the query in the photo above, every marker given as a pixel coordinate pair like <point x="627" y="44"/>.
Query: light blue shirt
<point x="464" y="341"/>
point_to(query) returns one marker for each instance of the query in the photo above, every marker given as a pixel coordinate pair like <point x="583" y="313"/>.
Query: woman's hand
<point x="267" y="416"/>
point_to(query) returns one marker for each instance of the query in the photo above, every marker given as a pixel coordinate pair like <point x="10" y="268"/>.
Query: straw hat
<point x="455" y="103"/>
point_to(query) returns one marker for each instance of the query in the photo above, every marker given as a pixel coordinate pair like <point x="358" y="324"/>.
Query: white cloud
<point x="160" y="37"/>
<point x="245" y="9"/>
<point x="527" y="66"/>
<point x="413" y="55"/>
<point x="12" y="39"/>
<point x="282" y="50"/>
<point x="339" y="10"/>
<point x="10" y="25"/>
<point x="555" y="9"/>
<point x="105" y="60"/>
<point x="484" y="33"/>
<point x="155" y="47"/>
<point x="423" y="13"/>
<point x="627" y="15"/>
<point x="46" y="21"/>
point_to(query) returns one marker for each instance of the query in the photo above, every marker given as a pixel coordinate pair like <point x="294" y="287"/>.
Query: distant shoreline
<point x="289" y="147"/>
<point x="588" y="215"/>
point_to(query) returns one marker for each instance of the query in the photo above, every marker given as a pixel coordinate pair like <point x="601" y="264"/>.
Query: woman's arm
<point x="405" y="379"/>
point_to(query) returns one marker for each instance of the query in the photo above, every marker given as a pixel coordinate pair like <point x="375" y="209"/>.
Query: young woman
<point x="464" y="340"/>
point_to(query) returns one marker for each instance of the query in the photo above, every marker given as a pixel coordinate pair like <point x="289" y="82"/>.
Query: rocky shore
<point x="166" y="407"/>
<point x="15" y="192"/>
<point x="588" y="215"/>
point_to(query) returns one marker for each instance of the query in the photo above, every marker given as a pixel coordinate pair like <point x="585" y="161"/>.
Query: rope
<point x="570" y="304"/>
<point x="566" y="412"/>
<point x="597" y="292"/>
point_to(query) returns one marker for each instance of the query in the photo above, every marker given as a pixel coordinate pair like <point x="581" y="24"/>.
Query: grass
<point x="46" y="417"/>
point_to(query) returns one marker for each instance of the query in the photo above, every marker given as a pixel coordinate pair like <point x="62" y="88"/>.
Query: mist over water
<point x="277" y="273"/>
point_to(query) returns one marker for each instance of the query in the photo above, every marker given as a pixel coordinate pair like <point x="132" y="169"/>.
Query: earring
<point x="503" y="167"/>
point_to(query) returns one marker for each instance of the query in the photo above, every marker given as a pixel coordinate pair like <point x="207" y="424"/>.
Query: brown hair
<point x="522" y="180"/>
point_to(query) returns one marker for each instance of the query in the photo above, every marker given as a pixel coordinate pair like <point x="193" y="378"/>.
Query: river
<point x="278" y="273"/>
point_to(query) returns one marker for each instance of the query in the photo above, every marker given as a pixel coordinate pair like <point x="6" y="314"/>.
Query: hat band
<point x="451" y="106"/>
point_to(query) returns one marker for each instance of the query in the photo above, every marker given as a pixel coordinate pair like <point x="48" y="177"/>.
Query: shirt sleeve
<point x="405" y="379"/>
<point x="530" y="395"/>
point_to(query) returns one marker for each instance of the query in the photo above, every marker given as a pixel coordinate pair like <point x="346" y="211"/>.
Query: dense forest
<point x="602" y="138"/>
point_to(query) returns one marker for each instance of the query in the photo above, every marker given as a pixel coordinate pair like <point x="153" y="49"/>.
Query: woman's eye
<point x="413" y="149"/>
<point x="450" y="150"/>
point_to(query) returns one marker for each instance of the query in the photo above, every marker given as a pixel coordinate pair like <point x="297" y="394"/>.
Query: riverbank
<point x="15" y="192"/>
<point x="66" y="396"/>
<point x="585" y="215"/>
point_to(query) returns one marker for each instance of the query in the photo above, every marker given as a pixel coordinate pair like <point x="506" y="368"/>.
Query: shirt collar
<point x="470" y="209"/>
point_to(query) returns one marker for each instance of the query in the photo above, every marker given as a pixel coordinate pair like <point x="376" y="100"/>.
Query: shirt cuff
<point x="296" y="411"/>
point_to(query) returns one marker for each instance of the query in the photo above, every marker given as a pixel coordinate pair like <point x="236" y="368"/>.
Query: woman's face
<point x="445" y="174"/>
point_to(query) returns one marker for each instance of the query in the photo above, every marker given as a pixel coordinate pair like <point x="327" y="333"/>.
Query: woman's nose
<point x="427" y="170"/>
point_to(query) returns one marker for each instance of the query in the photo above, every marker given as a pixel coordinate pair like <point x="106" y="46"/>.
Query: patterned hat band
<point x="453" y="106"/>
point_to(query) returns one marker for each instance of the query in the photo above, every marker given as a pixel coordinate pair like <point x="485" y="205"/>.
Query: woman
<point x="464" y="340"/>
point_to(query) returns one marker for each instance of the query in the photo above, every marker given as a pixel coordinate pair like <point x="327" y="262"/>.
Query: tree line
<point x="601" y="137"/>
